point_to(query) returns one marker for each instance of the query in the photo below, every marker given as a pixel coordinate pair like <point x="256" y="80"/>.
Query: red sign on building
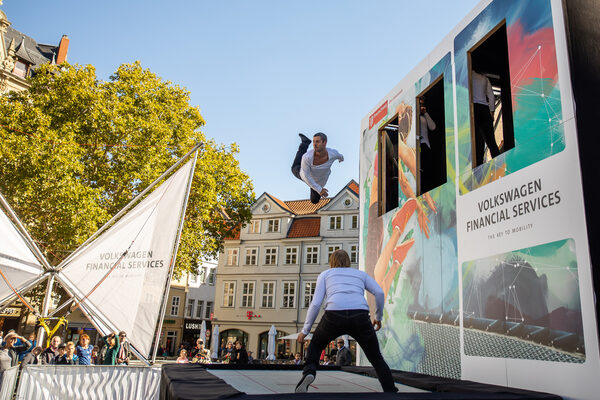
<point x="378" y="114"/>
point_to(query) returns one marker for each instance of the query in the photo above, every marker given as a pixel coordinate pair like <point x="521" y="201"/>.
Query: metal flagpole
<point x="45" y="307"/>
<point x="29" y="240"/>
<point x="173" y="258"/>
<point x="127" y="207"/>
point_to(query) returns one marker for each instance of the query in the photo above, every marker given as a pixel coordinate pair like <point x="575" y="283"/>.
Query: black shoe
<point x="304" y="138"/>
<point x="307" y="379"/>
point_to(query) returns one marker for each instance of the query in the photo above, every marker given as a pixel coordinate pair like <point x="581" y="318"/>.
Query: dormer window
<point x="273" y="225"/>
<point x="335" y="222"/>
<point x="20" y="69"/>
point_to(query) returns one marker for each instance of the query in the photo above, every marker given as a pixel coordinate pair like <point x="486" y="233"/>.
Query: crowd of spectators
<point x="15" y="349"/>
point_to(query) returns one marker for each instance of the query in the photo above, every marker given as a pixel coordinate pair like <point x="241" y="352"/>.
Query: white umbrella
<point x="271" y="344"/>
<point x="215" y="342"/>
<point x="203" y="332"/>
<point x="294" y="336"/>
<point x="346" y="344"/>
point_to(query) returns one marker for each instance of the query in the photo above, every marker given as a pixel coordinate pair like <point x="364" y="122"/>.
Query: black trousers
<point x="357" y="324"/>
<point x="484" y="132"/>
<point x="314" y="196"/>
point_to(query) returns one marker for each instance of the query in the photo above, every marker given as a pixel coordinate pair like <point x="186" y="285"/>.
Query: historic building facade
<point x="267" y="273"/>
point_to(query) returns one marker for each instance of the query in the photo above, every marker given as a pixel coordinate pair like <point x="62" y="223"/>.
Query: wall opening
<point x="491" y="132"/>
<point x="387" y="180"/>
<point x="431" y="137"/>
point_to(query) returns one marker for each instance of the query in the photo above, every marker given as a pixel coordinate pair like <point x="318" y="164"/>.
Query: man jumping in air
<point x="314" y="166"/>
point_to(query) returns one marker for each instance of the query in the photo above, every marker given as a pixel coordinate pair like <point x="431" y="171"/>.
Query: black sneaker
<point x="304" y="138"/>
<point x="307" y="379"/>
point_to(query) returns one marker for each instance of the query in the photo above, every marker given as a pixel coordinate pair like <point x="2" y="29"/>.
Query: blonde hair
<point x="339" y="259"/>
<point x="70" y="344"/>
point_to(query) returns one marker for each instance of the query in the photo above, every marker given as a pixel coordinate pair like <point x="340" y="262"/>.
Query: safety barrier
<point x="8" y="379"/>
<point x="96" y="382"/>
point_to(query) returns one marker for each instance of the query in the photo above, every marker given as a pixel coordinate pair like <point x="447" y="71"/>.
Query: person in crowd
<point x="124" y="352"/>
<point x="250" y="358"/>
<point x="483" y="109"/>
<point x="84" y="350"/>
<point x="346" y="312"/>
<point x="344" y="357"/>
<point x="200" y="353"/>
<point x="33" y="357"/>
<point x="313" y="166"/>
<point x="62" y="351"/>
<point x="69" y="358"/>
<point x="327" y="360"/>
<point x="228" y="354"/>
<point x="240" y="354"/>
<point x="9" y="353"/>
<point x="111" y="342"/>
<point x="297" y="359"/>
<point x="31" y="338"/>
<point x="182" y="359"/>
<point x="333" y="352"/>
<point x="50" y="353"/>
<point x="96" y="356"/>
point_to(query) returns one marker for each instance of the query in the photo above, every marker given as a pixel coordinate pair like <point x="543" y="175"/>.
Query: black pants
<point x="357" y="324"/>
<point x="484" y="132"/>
<point x="314" y="196"/>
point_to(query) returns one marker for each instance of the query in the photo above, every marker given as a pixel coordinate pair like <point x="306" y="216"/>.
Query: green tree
<point x="76" y="149"/>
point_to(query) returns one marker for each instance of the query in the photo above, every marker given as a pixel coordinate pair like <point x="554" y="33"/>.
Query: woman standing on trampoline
<point x="346" y="312"/>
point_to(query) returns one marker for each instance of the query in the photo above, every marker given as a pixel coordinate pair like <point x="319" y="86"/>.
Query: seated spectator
<point x="84" y="350"/>
<point x="228" y="354"/>
<point x="124" y="353"/>
<point x="96" y="356"/>
<point x="9" y="353"/>
<point x="327" y="360"/>
<point x="33" y="357"/>
<point x="199" y="353"/>
<point x="250" y="358"/>
<point x="49" y="354"/>
<point x="297" y="359"/>
<point x="62" y="350"/>
<point x="182" y="359"/>
<point x="69" y="358"/>
<point x="240" y="355"/>
<point x="111" y="342"/>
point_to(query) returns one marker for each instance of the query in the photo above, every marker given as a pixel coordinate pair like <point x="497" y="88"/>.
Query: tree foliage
<point x="76" y="149"/>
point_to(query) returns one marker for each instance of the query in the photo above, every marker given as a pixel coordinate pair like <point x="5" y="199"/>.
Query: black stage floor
<point x="251" y="382"/>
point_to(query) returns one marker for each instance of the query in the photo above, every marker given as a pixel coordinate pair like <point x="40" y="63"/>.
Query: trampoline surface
<point x="268" y="382"/>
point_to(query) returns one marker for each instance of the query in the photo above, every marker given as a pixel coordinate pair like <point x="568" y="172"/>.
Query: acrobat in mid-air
<point x="314" y="166"/>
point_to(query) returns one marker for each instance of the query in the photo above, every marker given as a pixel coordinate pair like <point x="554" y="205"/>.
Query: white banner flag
<point x="17" y="261"/>
<point x="130" y="297"/>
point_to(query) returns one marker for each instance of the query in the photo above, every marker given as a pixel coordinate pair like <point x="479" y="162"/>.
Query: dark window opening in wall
<point x="489" y="76"/>
<point x="387" y="181"/>
<point x="431" y="137"/>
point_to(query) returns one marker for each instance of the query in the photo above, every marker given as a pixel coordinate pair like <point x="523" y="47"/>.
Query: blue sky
<point x="260" y="71"/>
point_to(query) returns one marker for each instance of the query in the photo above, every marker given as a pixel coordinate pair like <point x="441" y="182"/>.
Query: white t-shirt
<point x="316" y="176"/>
<point x="343" y="289"/>
<point x="482" y="90"/>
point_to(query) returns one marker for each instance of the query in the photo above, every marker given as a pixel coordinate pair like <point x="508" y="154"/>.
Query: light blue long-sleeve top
<point x="343" y="289"/>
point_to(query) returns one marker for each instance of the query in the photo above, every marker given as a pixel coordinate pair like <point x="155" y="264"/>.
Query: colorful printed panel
<point x="536" y="105"/>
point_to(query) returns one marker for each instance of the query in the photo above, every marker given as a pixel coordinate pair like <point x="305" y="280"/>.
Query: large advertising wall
<point x="488" y="275"/>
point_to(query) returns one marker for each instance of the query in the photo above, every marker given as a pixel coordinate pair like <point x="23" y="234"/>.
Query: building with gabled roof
<point x="267" y="272"/>
<point x="21" y="55"/>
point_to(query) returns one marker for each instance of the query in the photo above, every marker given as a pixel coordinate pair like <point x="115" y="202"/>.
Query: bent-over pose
<point x="346" y="312"/>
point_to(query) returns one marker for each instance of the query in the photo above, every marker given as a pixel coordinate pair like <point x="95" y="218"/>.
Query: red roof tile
<point x="305" y="207"/>
<point x="305" y="227"/>
<point x="353" y="186"/>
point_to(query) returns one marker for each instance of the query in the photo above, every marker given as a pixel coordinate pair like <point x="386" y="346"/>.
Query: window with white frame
<point x="331" y="249"/>
<point x="309" y="292"/>
<point x="271" y="256"/>
<point x="232" y="256"/>
<point x="251" y="254"/>
<point x="312" y="254"/>
<point x="209" y="309"/>
<point x="353" y="253"/>
<point x="268" y="295"/>
<point x="273" y="225"/>
<point x="200" y="309"/>
<point x="289" y="294"/>
<point x="248" y="294"/>
<point x="193" y="278"/>
<point x="335" y="222"/>
<point x="291" y="255"/>
<point x="254" y="226"/>
<point x="212" y="272"/>
<point x="202" y="275"/>
<point x="175" y="306"/>
<point x="354" y="222"/>
<point x="228" y="294"/>
<point x="189" y="309"/>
